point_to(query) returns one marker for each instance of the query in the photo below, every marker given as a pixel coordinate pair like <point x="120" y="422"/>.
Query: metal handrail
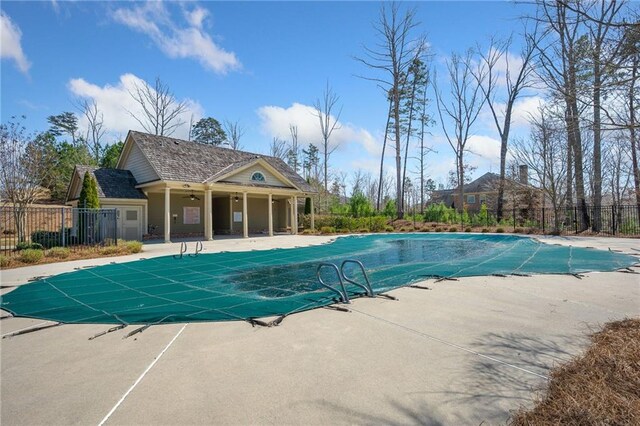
<point x="183" y="250"/>
<point x="344" y="298"/>
<point x="367" y="288"/>
<point x="198" y="249"/>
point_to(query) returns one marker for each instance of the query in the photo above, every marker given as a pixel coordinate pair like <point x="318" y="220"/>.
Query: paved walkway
<point x="461" y="353"/>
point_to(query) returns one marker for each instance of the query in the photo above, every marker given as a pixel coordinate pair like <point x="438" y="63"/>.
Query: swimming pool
<point x="244" y="285"/>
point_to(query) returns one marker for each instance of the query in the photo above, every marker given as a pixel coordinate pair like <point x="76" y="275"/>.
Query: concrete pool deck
<point x="463" y="352"/>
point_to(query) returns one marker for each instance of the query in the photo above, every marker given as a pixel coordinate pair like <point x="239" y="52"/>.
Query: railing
<point x="56" y="227"/>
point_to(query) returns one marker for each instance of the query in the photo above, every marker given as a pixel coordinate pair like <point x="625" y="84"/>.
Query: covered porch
<point x="187" y="210"/>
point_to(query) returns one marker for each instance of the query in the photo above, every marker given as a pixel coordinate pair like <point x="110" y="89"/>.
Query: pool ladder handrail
<point x="344" y="297"/>
<point x="367" y="286"/>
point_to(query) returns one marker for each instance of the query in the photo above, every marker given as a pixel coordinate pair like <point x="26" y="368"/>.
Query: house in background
<point x="166" y="186"/>
<point x="484" y="190"/>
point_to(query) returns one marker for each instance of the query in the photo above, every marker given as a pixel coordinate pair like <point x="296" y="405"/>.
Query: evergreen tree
<point x="89" y="193"/>
<point x="208" y="131"/>
<point x="111" y="155"/>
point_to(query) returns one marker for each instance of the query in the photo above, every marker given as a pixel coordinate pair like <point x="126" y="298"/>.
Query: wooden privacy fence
<point x="56" y="227"/>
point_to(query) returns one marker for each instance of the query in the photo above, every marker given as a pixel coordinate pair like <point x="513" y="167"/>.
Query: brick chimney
<point x="523" y="170"/>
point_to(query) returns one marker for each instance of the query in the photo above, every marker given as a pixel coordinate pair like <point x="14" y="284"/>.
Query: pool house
<point x="169" y="187"/>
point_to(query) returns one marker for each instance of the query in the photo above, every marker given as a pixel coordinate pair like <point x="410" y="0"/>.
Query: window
<point x="191" y="215"/>
<point x="471" y="199"/>
<point x="483" y="199"/>
<point x="257" y="177"/>
<point x="132" y="215"/>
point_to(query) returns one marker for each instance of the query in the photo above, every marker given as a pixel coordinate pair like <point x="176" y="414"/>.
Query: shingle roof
<point x="180" y="160"/>
<point x="113" y="183"/>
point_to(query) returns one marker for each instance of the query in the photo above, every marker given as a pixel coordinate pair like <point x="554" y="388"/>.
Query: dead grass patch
<point x="599" y="387"/>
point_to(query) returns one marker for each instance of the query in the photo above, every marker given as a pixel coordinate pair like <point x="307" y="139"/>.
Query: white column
<point x="313" y="221"/>
<point x="208" y="220"/>
<point x="291" y="220"/>
<point x="270" y="208"/>
<point x="167" y="215"/>
<point x="295" y="213"/>
<point x="230" y="214"/>
<point x="245" y="216"/>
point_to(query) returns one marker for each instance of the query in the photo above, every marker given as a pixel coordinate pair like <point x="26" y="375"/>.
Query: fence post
<point x="115" y="226"/>
<point x="613" y="219"/>
<point x="63" y="229"/>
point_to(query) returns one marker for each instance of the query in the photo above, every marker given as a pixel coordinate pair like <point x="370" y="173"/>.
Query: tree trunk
<point x="460" y="159"/>
<point x="597" y="142"/>
<point x="504" y="141"/>
<point x="384" y="146"/>
<point x="406" y="145"/>
<point x="632" y="133"/>
<point x="396" y="124"/>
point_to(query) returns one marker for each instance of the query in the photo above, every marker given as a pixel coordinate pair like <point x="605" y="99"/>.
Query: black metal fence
<point x="32" y="227"/>
<point x="623" y="221"/>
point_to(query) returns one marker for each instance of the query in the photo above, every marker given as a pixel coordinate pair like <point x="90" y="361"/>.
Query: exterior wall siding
<point x="245" y="177"/>
<point x="156" y="213"/>
<point x="139" y="166"/>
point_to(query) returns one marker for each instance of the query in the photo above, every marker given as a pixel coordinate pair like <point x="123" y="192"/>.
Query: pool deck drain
<point x="321" y="366"/>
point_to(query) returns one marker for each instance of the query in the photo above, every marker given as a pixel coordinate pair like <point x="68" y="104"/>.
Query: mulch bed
<point x="599" y="387"/>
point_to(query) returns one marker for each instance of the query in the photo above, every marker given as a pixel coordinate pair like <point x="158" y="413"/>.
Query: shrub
<point x="47" y="239"/>
<point x="58" y="252"/>
<point x="309" y="232"/>
<point x="389" y="228"/>
<point x="4" y="261"/>
<point x="31" y="255"/>
<point x="453" y="229"/>
<point x="467" y="229"/>
<point x="9" y="232"/>
<point x="133" y="246"/>
<point x="343" y="230"/>
<point x="109" y="250"/>
<point x="438" y="229"/>
<point x="26" y="246"/>
<point x="499" y="230"/>
<point x="518" y="230"/>
<point x="484" y="230"/>
<point x="363" y="230"/>
<point x="425" y="229"/>
<point x="328" y="230"/>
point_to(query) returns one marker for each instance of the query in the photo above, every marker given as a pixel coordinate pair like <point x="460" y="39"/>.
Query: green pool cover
<point x="245" y="285"/>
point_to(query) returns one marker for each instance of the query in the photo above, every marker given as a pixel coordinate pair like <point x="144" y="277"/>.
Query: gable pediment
<point x="256" y="173"/>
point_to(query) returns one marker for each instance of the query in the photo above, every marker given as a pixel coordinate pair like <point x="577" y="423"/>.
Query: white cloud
<point x="117" y="105"/>
<point x="275" y="122"/>
<point x="153" y="19"/>
<point x="10" y="47"/>
<point x="485" y="147"/>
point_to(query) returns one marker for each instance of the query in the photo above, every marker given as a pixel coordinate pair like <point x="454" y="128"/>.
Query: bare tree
<point x="278" y="148"/>
<point x="544" y="152"/>
<point x="25" y="168"/>
<point x="95" y="128"/>
<point x="617" y="158"/>
<point x="293" y="154"/>
<point x="391" y="56"/>
<point x="460" y="111"/>
<point x="325" y="110"/>
<point x="558" y="63"/>
<point x="160" y="109"/>
<point x="235" y="132"/>
<point x="517" y="77"/>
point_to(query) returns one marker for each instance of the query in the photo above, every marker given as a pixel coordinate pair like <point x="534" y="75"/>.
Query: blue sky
<point x="261" y="63"/>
